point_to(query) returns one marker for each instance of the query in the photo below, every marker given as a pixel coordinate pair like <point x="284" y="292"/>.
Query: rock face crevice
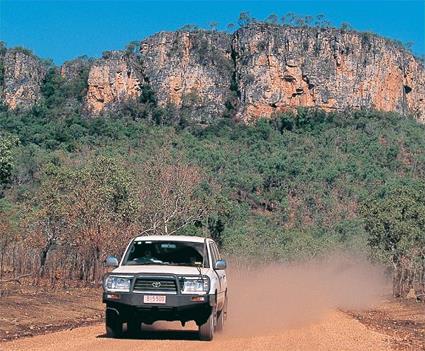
<point x="23" y="76"/>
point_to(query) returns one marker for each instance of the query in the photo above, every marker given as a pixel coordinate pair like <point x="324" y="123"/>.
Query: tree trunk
<point x="1" y="264"/>
<point x="43" y="258"/>
<point x="96" y="265"/>
<point x="396" y="280"/>
<point x="16" y="269"/>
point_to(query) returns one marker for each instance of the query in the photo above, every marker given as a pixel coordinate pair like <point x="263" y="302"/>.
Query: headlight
<point x="117" y="284"/>
<point x="195" y="284"/>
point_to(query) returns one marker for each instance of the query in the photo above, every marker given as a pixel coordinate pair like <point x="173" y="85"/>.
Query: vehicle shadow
<point x="167" y="335"/>
<point x="154" y="333"/>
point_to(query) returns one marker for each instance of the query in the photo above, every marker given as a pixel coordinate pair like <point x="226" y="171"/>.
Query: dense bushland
<point x="297" y="186"/>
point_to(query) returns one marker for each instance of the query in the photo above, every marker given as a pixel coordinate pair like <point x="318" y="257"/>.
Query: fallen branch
<point x="16" y="279"/>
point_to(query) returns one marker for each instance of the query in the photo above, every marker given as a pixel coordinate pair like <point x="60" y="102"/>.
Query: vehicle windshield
<point x="176" y="253"/>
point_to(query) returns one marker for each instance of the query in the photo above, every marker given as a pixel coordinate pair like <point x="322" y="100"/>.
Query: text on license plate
<point x="154" y="299"/>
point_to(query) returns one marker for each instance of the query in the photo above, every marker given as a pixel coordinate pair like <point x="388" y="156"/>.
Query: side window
<point x="214" y="256"/>
<point x="217" y="253"/>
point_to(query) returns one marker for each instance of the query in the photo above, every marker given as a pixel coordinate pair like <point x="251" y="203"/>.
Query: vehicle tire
<point x="113" y="327"/>
<point x="221" y="317"/>
<point x="133" y="327"/>
<point x="206" y="330"/>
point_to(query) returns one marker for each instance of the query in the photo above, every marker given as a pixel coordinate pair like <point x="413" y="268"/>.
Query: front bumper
<point x="172" y="300"/>
<point x="182" y="307"/>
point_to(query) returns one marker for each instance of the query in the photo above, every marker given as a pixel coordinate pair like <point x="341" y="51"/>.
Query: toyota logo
<point x="156" y="284"/>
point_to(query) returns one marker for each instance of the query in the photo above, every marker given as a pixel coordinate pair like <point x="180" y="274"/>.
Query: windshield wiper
<point x="135" y="263"/>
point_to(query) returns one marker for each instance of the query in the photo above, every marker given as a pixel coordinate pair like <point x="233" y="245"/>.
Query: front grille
<point x="155" y="284"/>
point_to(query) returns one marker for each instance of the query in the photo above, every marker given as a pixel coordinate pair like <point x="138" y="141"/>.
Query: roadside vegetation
<point x="300" y="185"/>
<point x="74" y="189"/>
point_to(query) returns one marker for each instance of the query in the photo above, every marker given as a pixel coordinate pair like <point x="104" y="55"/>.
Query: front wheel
<point x="133" y="327"/>
<point x="206" y="330"/>
<point x="113" y="327"/>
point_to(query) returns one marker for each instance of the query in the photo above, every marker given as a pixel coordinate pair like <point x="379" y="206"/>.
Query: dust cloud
<point x="266" y="298"/>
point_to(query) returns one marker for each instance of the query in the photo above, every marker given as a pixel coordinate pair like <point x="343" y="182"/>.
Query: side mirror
<point x="220" y="265"/>
<point x="111" y="261"/>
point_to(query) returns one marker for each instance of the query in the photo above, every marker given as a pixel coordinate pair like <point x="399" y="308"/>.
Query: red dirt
<point x="298" y="306"/>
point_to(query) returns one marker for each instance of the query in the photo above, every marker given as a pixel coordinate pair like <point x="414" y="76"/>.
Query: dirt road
<point x="335" y="331"/>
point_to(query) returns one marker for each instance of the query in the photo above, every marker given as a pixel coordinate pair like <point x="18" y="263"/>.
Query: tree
<point x="308" y="20"/>
<point x="132" y="47"/>
<point x="245" y="19"/>
<point x="3" y="47"/>
<point x="395" y="222"/>
<point x="321" y="21"/>
<point x="300" y="21"/>
<point x="147" y="95"/>
<point x="53" y="88"/>
<point x="8" y="233"/>
<point x="173" y="194"/>
<point x="230" y="27"/>
<point x="272" y="19"/>
<point x="189" y="28"/>
<point x="409" y="45"/>
<point x="99" y="199"/>
<point x="345" y="26"/>
<point x="213" y="25"/>
<point x="81" y="210"/>
<point x="47" y="213"/>
<point x="288" y="18"/>
<point x="7" y="143"/>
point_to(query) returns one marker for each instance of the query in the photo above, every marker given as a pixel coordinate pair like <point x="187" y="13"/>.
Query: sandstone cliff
<point x="22" y="79"/>
<point x="258" y="71"/>
<point x="192" y="70"/>
<point x="114" y="79"/>
<point x="284" y="67"/>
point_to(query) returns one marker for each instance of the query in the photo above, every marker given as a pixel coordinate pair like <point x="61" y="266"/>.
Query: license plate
<point x="154" y="299"/>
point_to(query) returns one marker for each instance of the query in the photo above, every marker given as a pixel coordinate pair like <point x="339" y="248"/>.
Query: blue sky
<point x="64" y="29"/>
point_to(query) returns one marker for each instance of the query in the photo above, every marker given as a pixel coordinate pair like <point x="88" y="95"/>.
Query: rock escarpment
<point x="112" y="80"/>
<point x="258" y="71"/>
<point x="285" y="67"/>
<point x="23" y="75"/>
<point x="191" y="70"/>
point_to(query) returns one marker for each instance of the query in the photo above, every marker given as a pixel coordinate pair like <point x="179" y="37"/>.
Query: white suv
<point x="172" y="278"/>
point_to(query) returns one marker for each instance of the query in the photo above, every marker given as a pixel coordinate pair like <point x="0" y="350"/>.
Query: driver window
<point x="213" y="254"/>
<point x="217" y="253"/>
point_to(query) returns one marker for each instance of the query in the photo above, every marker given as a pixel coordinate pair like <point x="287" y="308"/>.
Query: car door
<point x="221" y="274"/>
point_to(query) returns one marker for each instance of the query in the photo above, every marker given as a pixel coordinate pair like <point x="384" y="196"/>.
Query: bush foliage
<point x="295" y="186"/>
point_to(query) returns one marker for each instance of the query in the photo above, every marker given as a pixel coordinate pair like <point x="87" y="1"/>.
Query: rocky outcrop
<point x="75" y="69"/>
<point x="191" y="70"/>
<point x="259" y="71"/>
<point x="114" y="79"/>
<point x="22" y="79"/>
<point x="279" y="68"/>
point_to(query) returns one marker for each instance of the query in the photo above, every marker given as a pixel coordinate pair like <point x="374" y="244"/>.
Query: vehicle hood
<point x="153" y="269"/>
